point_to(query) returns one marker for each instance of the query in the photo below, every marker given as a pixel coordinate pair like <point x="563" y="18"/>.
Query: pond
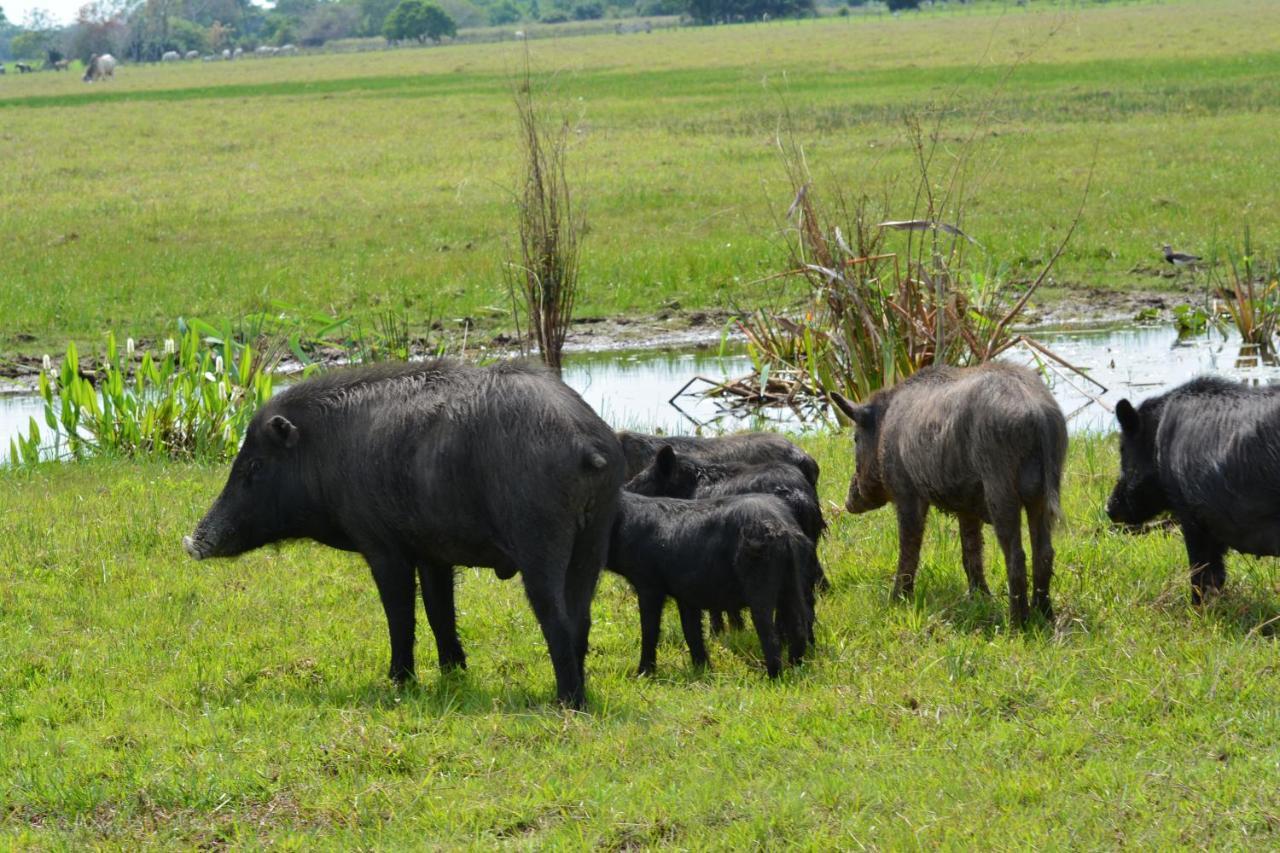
<point x="641" y="389"/>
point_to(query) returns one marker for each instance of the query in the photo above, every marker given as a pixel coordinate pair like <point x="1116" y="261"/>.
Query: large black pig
<point x="426" y="466"/>
<point x="1209" y="453"/>
<point x="984" y="443"/>
<point x="755" y="448"/>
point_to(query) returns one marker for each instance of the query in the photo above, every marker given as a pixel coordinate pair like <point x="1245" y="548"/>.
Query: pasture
<point x="356" y="184"/>
<point x="145" y="697"/>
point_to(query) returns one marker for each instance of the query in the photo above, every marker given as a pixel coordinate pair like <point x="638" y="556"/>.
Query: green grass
<point x="147" y="698"/>
<point x="351" y="184"/>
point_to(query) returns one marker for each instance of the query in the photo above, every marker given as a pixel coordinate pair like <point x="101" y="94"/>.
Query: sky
<point x="63" y="11"/>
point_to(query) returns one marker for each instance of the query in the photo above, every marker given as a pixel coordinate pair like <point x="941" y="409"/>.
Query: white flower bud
<point x="47" y="364"/>
<point x="217" y="364"/>
<point x="169" y="347"/>
<point x="128" y="347"/>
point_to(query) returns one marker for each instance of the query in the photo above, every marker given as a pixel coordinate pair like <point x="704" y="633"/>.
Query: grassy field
<point x="354" y="184"/>
<point x="145" y="698"/>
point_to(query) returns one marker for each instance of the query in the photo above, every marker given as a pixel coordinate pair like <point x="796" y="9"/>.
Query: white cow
<point x="171" y="56"/>
<point x="287" y="49"/>
<point x="192" y="54"/>
<point x="100" y="68"/>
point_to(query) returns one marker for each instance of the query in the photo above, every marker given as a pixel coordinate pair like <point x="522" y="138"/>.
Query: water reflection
<point x="660" y="389"/>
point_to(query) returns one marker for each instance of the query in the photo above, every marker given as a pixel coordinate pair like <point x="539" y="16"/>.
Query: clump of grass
<point x="545" y="274"/>
<point x="1251" y="293"/>
<point x="873" y="315"/>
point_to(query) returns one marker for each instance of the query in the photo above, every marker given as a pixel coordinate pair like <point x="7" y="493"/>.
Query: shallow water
<point x="635" y="389"/>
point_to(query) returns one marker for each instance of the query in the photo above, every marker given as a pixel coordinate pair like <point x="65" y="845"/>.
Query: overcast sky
<point x="63" y="11"/>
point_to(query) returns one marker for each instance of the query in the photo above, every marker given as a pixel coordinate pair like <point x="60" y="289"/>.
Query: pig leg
<point x="691" y="623"/>
<point x="1040" y="524"/>
<point x="717" y="622"/>
<point x="1208" y="572"/>
<point x="735" y="620"/>
<point x="651" y="602"/>
<point x="437" y="597"/>
<point x="911" y="516"/>
<point x="545" y="588"/>
<point x="767" y="631"/>
<point x="395" y="580"/>
<point x="971" y="552"/>
<point x="590" y="551"/>
<point x="1006" y="517"/>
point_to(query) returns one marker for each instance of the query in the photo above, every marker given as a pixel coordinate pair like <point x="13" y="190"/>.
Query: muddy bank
<point x="674" y="327"/>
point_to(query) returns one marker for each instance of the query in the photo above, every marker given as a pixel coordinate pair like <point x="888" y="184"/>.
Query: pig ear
<point x="1130" y="422"/>
<point x="665" y="460"/>
<point x="283" y="431"/>
<point x="863" y="416"/>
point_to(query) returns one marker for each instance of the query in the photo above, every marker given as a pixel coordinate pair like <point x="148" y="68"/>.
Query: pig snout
<point x="193" y="547"/>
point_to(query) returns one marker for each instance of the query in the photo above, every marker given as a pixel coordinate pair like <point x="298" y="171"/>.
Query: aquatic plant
<point x="190" y="402"/>
<point x="1249" y="290"/>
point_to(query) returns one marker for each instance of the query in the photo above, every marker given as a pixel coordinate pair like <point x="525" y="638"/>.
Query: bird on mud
<point x="1180" y="259"/>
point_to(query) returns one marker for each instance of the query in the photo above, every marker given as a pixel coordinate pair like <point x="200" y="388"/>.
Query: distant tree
<point x="29" y="45"/>
<point x="373" y="15"/>
<point x="504" y="12"/>
<point x="902" y="5"/>
<point x="279" y="29"/>
<point x="99" y="28"/>
<point x="588" y="10"/>
<point x="724" y="11"/>
<point x="464" y="13"/>
<point x="418" y="20"/>
<point x="328" y="22"/>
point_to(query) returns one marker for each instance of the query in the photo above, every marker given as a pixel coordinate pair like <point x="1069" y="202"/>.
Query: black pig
<point x="679" y="475"/>
<point x="757" y="448"/>
<point x="426" y="466"/>
<point x="982" y="442"/>
<point x="1207" y="452"/>
<point x="716" y="554"/>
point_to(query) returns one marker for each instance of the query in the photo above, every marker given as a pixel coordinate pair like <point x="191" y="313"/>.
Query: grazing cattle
<point x="761" y="448"/>
<point x="226" y="53"/>
<point x="1" y="67"/>
<point x="288" y="50"/>
<point x="60" y="65"/>
<point x="100" y="68"/>
<point x="192" y="55"/>
<point x="719" y="554"/>
<point x="171" y="56"/>
<point x="1208" y="452"/>
<point x="984" y="443"/>
<point x="266" y="50"/>
<point x="429" y="465"/>
<point x="23" y="68"/>
<point x="237" y="53"/>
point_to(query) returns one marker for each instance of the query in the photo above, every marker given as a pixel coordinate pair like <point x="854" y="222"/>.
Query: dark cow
<point x="760" y="448"/>
<point x="679" y="475"/>
<point x="23" y="68"/>
<point x="718" y="554"/>
<point x="1208" y="452"/>
<point x="427" y="466"/>
<point x="984" y="443"/>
